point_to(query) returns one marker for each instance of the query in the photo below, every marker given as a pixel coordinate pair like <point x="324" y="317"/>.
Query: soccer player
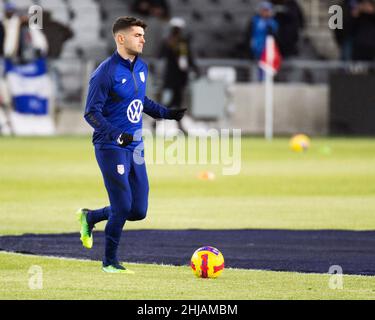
<point x="115" y="102"/>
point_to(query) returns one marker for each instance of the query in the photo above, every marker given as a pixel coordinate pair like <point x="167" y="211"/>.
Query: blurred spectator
<point x="290" y="20"/>
<point x="262" y="24"/>
<point x="155" y="8"/>
<point x="364" y="31"/>
<point x="2" y="35"/>
<point x="156" y="14"/>
<point x="5" y="123"/>
<point x="56" y="34"/>
<point x="21" y="43"/>
<point x="344" y="37"/>
<point x="177" y="52"/>
<point x="25" y="49"/>
<point x="157" y="30"/>
<point x="10" y="14"/>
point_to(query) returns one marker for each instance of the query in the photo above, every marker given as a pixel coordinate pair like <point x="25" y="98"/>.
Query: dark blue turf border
<point x="277" y="250"/>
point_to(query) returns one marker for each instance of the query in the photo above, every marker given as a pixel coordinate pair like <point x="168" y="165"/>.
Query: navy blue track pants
<point x="127" y="187"/>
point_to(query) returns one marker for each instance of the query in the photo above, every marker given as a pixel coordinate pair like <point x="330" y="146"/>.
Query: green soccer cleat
<point x="86" y="231"/>
<point x="117" y="268"/>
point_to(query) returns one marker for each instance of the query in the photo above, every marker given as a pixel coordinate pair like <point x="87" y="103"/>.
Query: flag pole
<point x="268" y="104"/>
<point x="270" y="56"/>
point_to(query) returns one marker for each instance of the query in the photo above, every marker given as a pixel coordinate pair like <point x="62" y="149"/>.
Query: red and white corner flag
<point x="270" y="60"/>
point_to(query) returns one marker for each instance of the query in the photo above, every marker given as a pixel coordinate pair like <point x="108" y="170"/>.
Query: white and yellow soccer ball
<point x="207" y="262"/>
<point x="299" y="143"/>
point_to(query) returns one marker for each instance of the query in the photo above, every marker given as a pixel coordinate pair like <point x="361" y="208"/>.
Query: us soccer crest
<point x="142" y="76"/>
<point x="121" y="169"/>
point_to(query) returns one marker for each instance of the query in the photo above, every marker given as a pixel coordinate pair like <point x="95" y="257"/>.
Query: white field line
<point x="168" y="265"/>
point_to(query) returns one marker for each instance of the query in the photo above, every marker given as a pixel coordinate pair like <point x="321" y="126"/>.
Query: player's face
<point x="134" y="40"/>
<point x="265" y="13"/>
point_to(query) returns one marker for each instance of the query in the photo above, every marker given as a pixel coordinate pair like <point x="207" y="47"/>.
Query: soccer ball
<point x="299" y="143"/>
<point x="207" y="262"/>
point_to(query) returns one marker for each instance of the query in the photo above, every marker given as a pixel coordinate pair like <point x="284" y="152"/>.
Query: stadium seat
<point x="61" y="15"/>
<point x="82" y="3"/>
<point x="53" y="4"/>
<point x="24" y="3"/>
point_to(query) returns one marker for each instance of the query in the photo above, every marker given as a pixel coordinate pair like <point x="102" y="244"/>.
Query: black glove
<point x="176" y="113"/>
<point x="124" y="139"/>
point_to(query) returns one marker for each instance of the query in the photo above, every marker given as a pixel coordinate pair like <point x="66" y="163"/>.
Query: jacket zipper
<point x="134" y="79"/>
<point x="135" y="82"/>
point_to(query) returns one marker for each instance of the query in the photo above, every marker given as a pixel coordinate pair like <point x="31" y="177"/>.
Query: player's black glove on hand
<point x="176" y="113"/>
<point x="124" y="139"/>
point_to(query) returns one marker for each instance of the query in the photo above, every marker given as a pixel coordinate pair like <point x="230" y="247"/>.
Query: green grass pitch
<point x="44" y="180"/>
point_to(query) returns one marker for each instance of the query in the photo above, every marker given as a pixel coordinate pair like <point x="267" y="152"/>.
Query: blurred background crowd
<point x="186" y="39"/>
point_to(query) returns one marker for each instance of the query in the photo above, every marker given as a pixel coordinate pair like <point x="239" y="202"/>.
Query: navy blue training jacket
<point x="116" y="99"/>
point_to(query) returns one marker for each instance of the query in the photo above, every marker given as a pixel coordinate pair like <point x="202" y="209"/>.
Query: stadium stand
<point x="316" y="31"/>
<point x="218" y="30"/>
<point x="220" y="23"/>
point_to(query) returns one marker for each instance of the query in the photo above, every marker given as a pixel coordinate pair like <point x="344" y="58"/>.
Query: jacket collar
<point x="127" y="62"/>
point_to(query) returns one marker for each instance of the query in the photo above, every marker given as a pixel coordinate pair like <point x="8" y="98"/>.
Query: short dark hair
<point x="122" y="23"/>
